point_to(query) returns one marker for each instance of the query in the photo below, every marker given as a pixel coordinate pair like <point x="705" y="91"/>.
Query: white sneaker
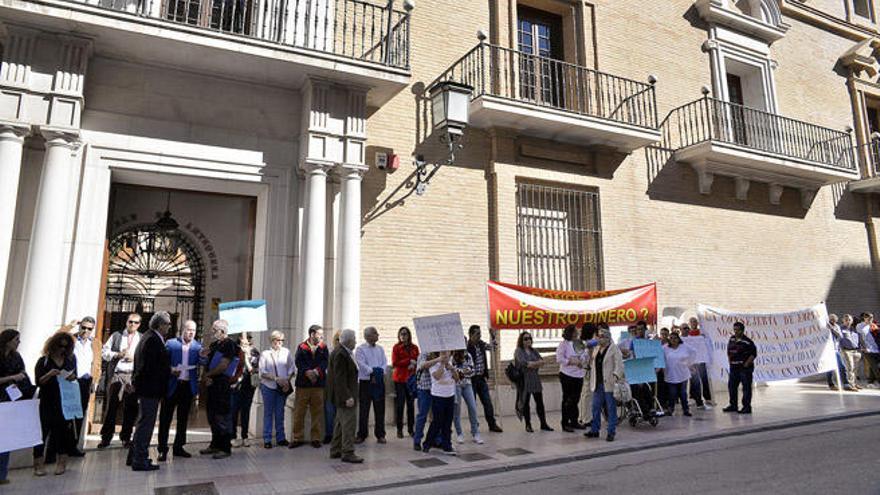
<point x="460" y="438"/>
<point x="707" y="407"/>
<point x="236" y="443"/>
<point x="478" y="439"/>
<point x="244" y="443"/>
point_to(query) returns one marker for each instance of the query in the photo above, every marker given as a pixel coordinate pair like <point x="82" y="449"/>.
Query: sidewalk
<point x="255" y="470"/>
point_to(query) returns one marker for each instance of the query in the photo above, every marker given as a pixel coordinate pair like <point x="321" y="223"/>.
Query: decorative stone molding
<point x="862" y="57"/>
<point x="60" y="136"/>
<point x="316" y="167"/>
<point x="350" y="171"/>
<point x="73" y="60"/>
<point x="765" y="22"/>
<point x="14" y="131"/>
<point x="704" y="178"/>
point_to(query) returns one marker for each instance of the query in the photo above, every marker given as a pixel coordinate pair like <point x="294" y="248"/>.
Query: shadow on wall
<point x="676" y="182"/>
<point x="848" y="205"/>
<point x="853" y="290"/>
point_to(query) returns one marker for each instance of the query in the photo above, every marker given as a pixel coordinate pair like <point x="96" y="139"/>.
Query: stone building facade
<point x="721" y="148"/>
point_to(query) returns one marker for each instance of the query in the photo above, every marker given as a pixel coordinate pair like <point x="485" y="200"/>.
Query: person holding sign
<point x="443" y="379"/>
<point x="56" y="363"/>
<point x="222" y="358"/>
<point x="14" y="382"/>
<point x="679" y="361"/>
<point x="372" y="363"/>
<point x="741" y="354"/>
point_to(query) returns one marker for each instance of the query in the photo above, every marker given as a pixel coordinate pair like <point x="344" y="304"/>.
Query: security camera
<point x="381" y="160"/>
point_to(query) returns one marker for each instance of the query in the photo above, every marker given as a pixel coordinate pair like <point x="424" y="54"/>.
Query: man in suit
<point x="183" y="386"/>
<point x="342" y="387"/>
<point x="152" y="369"/>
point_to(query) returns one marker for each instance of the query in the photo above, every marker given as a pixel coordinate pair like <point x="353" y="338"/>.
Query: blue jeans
<point x="840" y="366"/>
<point x="273" y="411"/>
<point x="4" y="465"/>
<point x="601" y="399"/>
<point x="442" y="411"/>
<point x="678" y="391"/>
<point x="329" y="418"/>
<point x="424" y="406"/>
<point x="466" y="392"/>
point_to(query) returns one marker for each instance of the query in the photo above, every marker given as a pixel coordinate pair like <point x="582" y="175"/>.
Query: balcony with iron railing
<point x="368" y="39"/>
<point x="553" y="99"/>
<point x="718" y="137"/>
<point x="868" y="155"/>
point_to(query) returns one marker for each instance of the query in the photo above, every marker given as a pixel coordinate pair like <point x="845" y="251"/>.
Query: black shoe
<point x="745" y="410"/>
<point x="283" y="443"/>
<point x="163" y="456"/>
<point x="426" y="448"/>
<point x="688" y="413"/>
<point x="546" y="427"/>
<point x="327" y="440"/>
<point x="399" y="433"/>
<point x="495" y="429"/>
<point x="182" y="454"/>
<point x="417" y="447"/>
<point x="353" y="459"/>
<point x="128" y="461"/>
<point x="592" y="434"/>
<point x="103" y="444"/>
<point x="221" y="454"/>
<point x="336" y="456"/>
<point x="316" y="444"/>
<point x="126" y="444"/>
<point x="729" y="409"/>
<point x="146" y="467"/>
<point x="267" y="445"/>
<point x="293" y="445"/>
<point x="581" y="426"/>
<point x="380" y="440"/>
<point x="529" y="429"/>
<point x="208" y="451"/>
<point x="358" y="440"/>
<point x="77" y="453"/>
<point x="567" y="429"/>
<point x="609" y="437"/>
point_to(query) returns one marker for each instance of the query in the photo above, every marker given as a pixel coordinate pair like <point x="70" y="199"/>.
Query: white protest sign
<point x="440" y="332"/>
<point x="20" y="425"/>
<point x="790" y="345"/>
<point x="245" y="316"/>
<point x="699" y="344"/>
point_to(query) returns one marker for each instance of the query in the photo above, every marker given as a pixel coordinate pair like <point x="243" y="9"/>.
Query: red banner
<point x="518" y="307"/>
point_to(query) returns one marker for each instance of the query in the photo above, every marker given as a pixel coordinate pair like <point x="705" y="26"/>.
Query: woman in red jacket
<point x="403" y="360"/>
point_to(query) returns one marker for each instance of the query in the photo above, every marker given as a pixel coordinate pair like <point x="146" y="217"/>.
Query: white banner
<point x="440" y="332"/>
<point x="790" y="345"/>
<point x="700" y="345"/>
<point x="20" y="425"/>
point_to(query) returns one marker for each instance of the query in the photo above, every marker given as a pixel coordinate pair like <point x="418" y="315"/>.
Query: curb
<point x="556" y="461"/>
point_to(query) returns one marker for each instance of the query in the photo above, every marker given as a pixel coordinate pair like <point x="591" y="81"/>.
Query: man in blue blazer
<point x="183" y="386"/>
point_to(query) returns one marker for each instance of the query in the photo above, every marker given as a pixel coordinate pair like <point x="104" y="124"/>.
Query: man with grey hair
<point x="152" y="369"/>
<point x="342" y="382"/>
<point x="371" y="362"/>
<point x="222" y="362"/>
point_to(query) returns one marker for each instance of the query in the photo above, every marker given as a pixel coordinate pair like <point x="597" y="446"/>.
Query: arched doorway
<point x="151" y="269"/>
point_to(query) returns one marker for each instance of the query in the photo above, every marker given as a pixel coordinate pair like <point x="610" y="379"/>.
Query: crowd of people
<point x="151" y="373"/>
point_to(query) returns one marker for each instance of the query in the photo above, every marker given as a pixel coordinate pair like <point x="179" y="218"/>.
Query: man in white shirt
<point x="118" y="353"/>
<point x="372" y="364"/>
<point x="82" y="350"/>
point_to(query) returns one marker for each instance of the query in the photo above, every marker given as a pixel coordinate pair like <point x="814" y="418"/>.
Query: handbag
<point x="514" y="373"/>
<point x="622" y="392"/>
<point x="280" y="390"/>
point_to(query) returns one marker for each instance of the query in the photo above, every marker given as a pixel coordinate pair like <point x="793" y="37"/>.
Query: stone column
<point x="42" y="294"/>
<point x="11" y="142"/>
<point x="313" y="244"/>
<point x="348" y="285"/>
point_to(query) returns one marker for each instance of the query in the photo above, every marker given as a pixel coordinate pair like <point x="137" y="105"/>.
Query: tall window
<point x="539" y="38"/>
<point x="559" y="237"/>
<point x="863" y="9"/>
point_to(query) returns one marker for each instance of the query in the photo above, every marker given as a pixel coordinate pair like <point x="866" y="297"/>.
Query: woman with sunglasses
<point x="529" y="361"/>
<point x="276" y="368"/>
<point x="56" y="362"/>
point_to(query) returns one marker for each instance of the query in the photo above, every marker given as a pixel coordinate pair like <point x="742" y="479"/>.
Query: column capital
<point x="351" y="170"/>
<point x="316" y="167"/>
<point x="14" y="131"/>
<point x="60" y="136"/>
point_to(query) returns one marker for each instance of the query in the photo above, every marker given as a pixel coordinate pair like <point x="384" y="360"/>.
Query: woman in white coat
<point x="607" y="366"/>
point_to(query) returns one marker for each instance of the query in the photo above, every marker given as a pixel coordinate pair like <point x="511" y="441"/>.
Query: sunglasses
<point x="86" y="328"/>
<point x="132" y="322"/>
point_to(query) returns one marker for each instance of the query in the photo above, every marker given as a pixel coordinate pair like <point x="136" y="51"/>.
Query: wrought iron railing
<point x="356" y="29"/>
<point x="711" y="119"/>
<point x="869" y="153"/>
<point x="547" y="82"/>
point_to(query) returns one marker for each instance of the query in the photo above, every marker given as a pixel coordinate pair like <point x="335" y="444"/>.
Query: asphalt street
<point x="836" y="457"/>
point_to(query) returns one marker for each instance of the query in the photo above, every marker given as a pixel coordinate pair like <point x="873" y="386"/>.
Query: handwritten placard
<point x="640" y="370"/>
<point x="440" y="332"/>
<point x="644" y="348"/>
<point x="71" y="405"/>
<point x="20" y="425"/>
<point x="245" y="316"/>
